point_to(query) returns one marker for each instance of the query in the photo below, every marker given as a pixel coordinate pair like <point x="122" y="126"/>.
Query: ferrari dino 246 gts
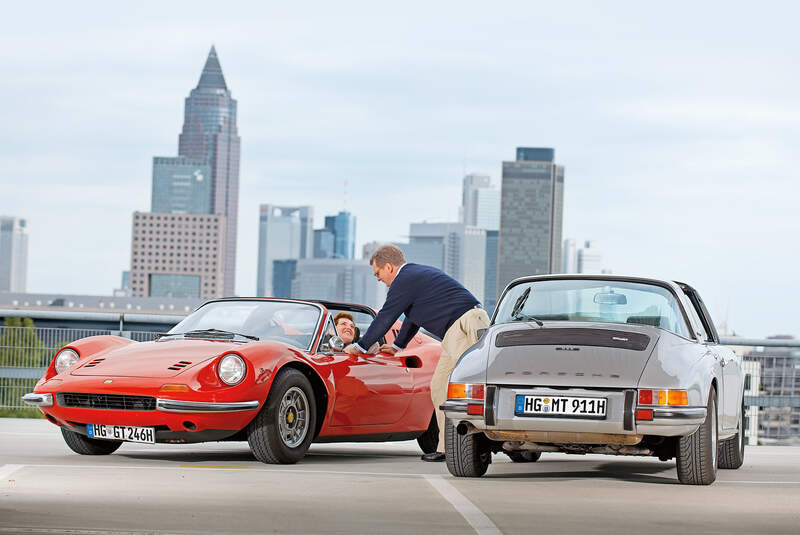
<point x="268" y="371"/>
<point x="598" y="364"/>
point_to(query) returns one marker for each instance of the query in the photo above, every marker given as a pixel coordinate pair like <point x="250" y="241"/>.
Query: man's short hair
<point x="387" y="254"/>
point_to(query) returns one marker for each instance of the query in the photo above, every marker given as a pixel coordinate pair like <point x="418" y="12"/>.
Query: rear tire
<point x="284" y="428"/>
<point x="696" y="455"/>
<point x="429" y="440"/>
<point x="524" y="456"/>
<point x="731" y="450"/>
<point x="89" y="446"/>
<point x="467" y="455"/>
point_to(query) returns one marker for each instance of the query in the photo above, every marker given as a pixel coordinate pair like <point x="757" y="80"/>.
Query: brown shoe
<point x="435" y="457"/>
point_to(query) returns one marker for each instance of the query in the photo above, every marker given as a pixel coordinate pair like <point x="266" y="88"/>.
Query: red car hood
<point x="153" y="359"/>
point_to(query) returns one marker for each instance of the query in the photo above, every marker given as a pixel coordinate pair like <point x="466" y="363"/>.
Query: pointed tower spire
<point x="212" y="72"/>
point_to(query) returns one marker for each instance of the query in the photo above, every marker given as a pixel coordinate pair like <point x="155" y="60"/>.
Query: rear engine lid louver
<point x="574" y="337"/>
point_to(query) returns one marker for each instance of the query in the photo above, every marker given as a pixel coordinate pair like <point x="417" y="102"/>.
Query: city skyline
<point x="679" y="166"/>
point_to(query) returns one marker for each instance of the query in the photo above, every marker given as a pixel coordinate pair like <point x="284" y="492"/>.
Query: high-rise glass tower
<point x="13" y="254"/>
<point x="531" y="214"/>
<point x="343" y="226"/>
<point x="210" y="134"/>
<point x="284" y="233"/>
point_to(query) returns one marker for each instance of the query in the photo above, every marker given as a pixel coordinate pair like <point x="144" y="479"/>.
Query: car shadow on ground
<point x="244" y="455"/>
<point x="622" y="471"/>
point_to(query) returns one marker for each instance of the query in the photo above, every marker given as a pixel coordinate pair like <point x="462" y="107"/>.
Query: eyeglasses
<point x="377" y="273"/>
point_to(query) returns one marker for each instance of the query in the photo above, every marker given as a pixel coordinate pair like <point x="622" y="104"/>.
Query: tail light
<point x="663" y="397"/>
<point x="465" y="391"/>
<point x="468" y="392"/>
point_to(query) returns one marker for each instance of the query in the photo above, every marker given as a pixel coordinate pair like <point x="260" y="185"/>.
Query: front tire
<point x="696" y="455"/>
<point x="467" y="455"/>
<point x="429" y="440"/>
<point x="525" y="456"/>
<point x="731" y="451"/>
<point x="89" y="446"/>
<point x="282" y="431"/>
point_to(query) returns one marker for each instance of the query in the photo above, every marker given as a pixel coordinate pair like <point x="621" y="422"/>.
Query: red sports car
<point x="269" y="371"/>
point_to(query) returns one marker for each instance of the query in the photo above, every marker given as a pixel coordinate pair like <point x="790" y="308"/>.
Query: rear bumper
<point x="619" y="420"/>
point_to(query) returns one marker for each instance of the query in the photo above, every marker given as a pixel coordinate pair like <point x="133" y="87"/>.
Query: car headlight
<point x="65" y="358"/>
<point x="231" y="369"/>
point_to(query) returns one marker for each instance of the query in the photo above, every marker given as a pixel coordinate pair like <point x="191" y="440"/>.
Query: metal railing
<point x="26" y="352"/>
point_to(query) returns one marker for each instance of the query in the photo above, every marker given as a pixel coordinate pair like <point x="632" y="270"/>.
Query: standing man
<point x="431" y="299"/>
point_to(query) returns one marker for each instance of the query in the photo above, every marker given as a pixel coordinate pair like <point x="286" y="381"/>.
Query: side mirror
<point x="336" y="343"/>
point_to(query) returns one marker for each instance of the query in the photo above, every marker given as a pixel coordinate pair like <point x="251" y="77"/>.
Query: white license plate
<point x="560" y="406"/>
<point x="146" y="435"/>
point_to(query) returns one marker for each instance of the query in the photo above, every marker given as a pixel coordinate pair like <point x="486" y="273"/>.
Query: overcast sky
<point x="677" y="124"/>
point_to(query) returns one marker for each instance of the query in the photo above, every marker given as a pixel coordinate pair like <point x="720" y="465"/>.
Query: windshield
<point x="605" y="301"/>
<point x="291" y="323"/>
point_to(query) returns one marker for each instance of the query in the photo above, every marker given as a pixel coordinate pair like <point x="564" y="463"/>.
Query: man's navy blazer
<point x="428" y="297"/>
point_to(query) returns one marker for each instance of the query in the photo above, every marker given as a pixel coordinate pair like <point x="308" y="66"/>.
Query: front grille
<point x="106" y="401"/>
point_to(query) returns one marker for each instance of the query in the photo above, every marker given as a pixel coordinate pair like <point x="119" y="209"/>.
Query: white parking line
<point x="8" y="469"/>
<point x="474" y="516"/>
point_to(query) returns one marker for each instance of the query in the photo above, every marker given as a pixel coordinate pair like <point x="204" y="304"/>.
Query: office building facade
<point x="332" y="279"/>
<point x="181" y="185"/>
<point x="323" y="243"/>
<point x="284" y="233"/>
<point x="531" y="214"/>
<point x="777" y="394"/>
<point x="480" y="202"/>
<point x="178" y="255"/>
<point x="210" y="135"/>
<point x="457" y="249"/>
<point x="590" y="259"/>
<point x="491" y="293"/>
<point x="343" y="227"/>
<point x="13" y="254"/>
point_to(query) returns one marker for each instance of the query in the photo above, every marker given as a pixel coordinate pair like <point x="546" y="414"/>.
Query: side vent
<point x="93" y="363"/>
<point x="178" y="366"/>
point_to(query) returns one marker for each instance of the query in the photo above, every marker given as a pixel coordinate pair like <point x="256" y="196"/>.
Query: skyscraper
<point x="569" y="257"/>
<point x="590" y="259"/>
<point x="13" y="254"/>
<point x="480" y="202"/>
<point x="284" y="233"/>
<point x="323" y="243"/>
<point x="462" y="249"/>
<point x="490" y="290"/>
<point x="531" y="215"/>
<point x="181" y="186"/>
<point x="343" y="226"/>
<point x="210" y="134"/>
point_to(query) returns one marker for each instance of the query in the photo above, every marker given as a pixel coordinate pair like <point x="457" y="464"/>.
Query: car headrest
<point x="654" y="321"/>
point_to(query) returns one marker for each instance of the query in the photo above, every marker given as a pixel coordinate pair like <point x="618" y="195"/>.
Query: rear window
<point x="604" y="301"/>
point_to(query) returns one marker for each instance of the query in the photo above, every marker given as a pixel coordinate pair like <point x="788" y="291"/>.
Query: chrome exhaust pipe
<point x="466" y="428"/>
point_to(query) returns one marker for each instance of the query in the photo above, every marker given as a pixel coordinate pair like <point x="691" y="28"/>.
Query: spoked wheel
<point x="696" y="456"/>
<point x="282" y="432"/>
<point x="89" y="446"/>
<point x="731" y="451"/>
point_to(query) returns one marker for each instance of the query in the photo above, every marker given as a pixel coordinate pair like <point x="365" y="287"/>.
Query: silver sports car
<point x="598" y="364"/>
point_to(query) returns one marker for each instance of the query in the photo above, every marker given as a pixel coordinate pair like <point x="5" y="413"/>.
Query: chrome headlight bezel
<point x="65" y="359"/>
<point x="231" y="369"/>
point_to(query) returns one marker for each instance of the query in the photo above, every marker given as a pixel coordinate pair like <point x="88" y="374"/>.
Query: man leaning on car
<point x="431" y="299"/>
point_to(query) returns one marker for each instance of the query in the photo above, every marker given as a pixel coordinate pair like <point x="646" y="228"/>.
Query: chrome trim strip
<point x="173" y="405"/>
<point x="38" y="400"/>
<point x="674" y="415"/>
<point x="454" y="405"/>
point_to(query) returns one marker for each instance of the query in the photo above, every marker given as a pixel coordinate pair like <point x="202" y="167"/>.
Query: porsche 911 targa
<point x="598" y="364"/>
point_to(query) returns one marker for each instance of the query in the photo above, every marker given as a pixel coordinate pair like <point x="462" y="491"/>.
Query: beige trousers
<point x="458" y="338"/>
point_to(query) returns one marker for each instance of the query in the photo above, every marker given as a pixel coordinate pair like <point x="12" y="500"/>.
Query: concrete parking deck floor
<point x="374" y="488"/>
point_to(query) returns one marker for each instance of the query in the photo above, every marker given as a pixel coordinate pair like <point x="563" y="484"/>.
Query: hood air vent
<point x="93" y="363"/>
<point x="178" y="366"/>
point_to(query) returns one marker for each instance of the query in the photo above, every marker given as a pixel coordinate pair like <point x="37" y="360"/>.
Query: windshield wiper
<point x="212" y="333"/>
<point x="516" y="312"/>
